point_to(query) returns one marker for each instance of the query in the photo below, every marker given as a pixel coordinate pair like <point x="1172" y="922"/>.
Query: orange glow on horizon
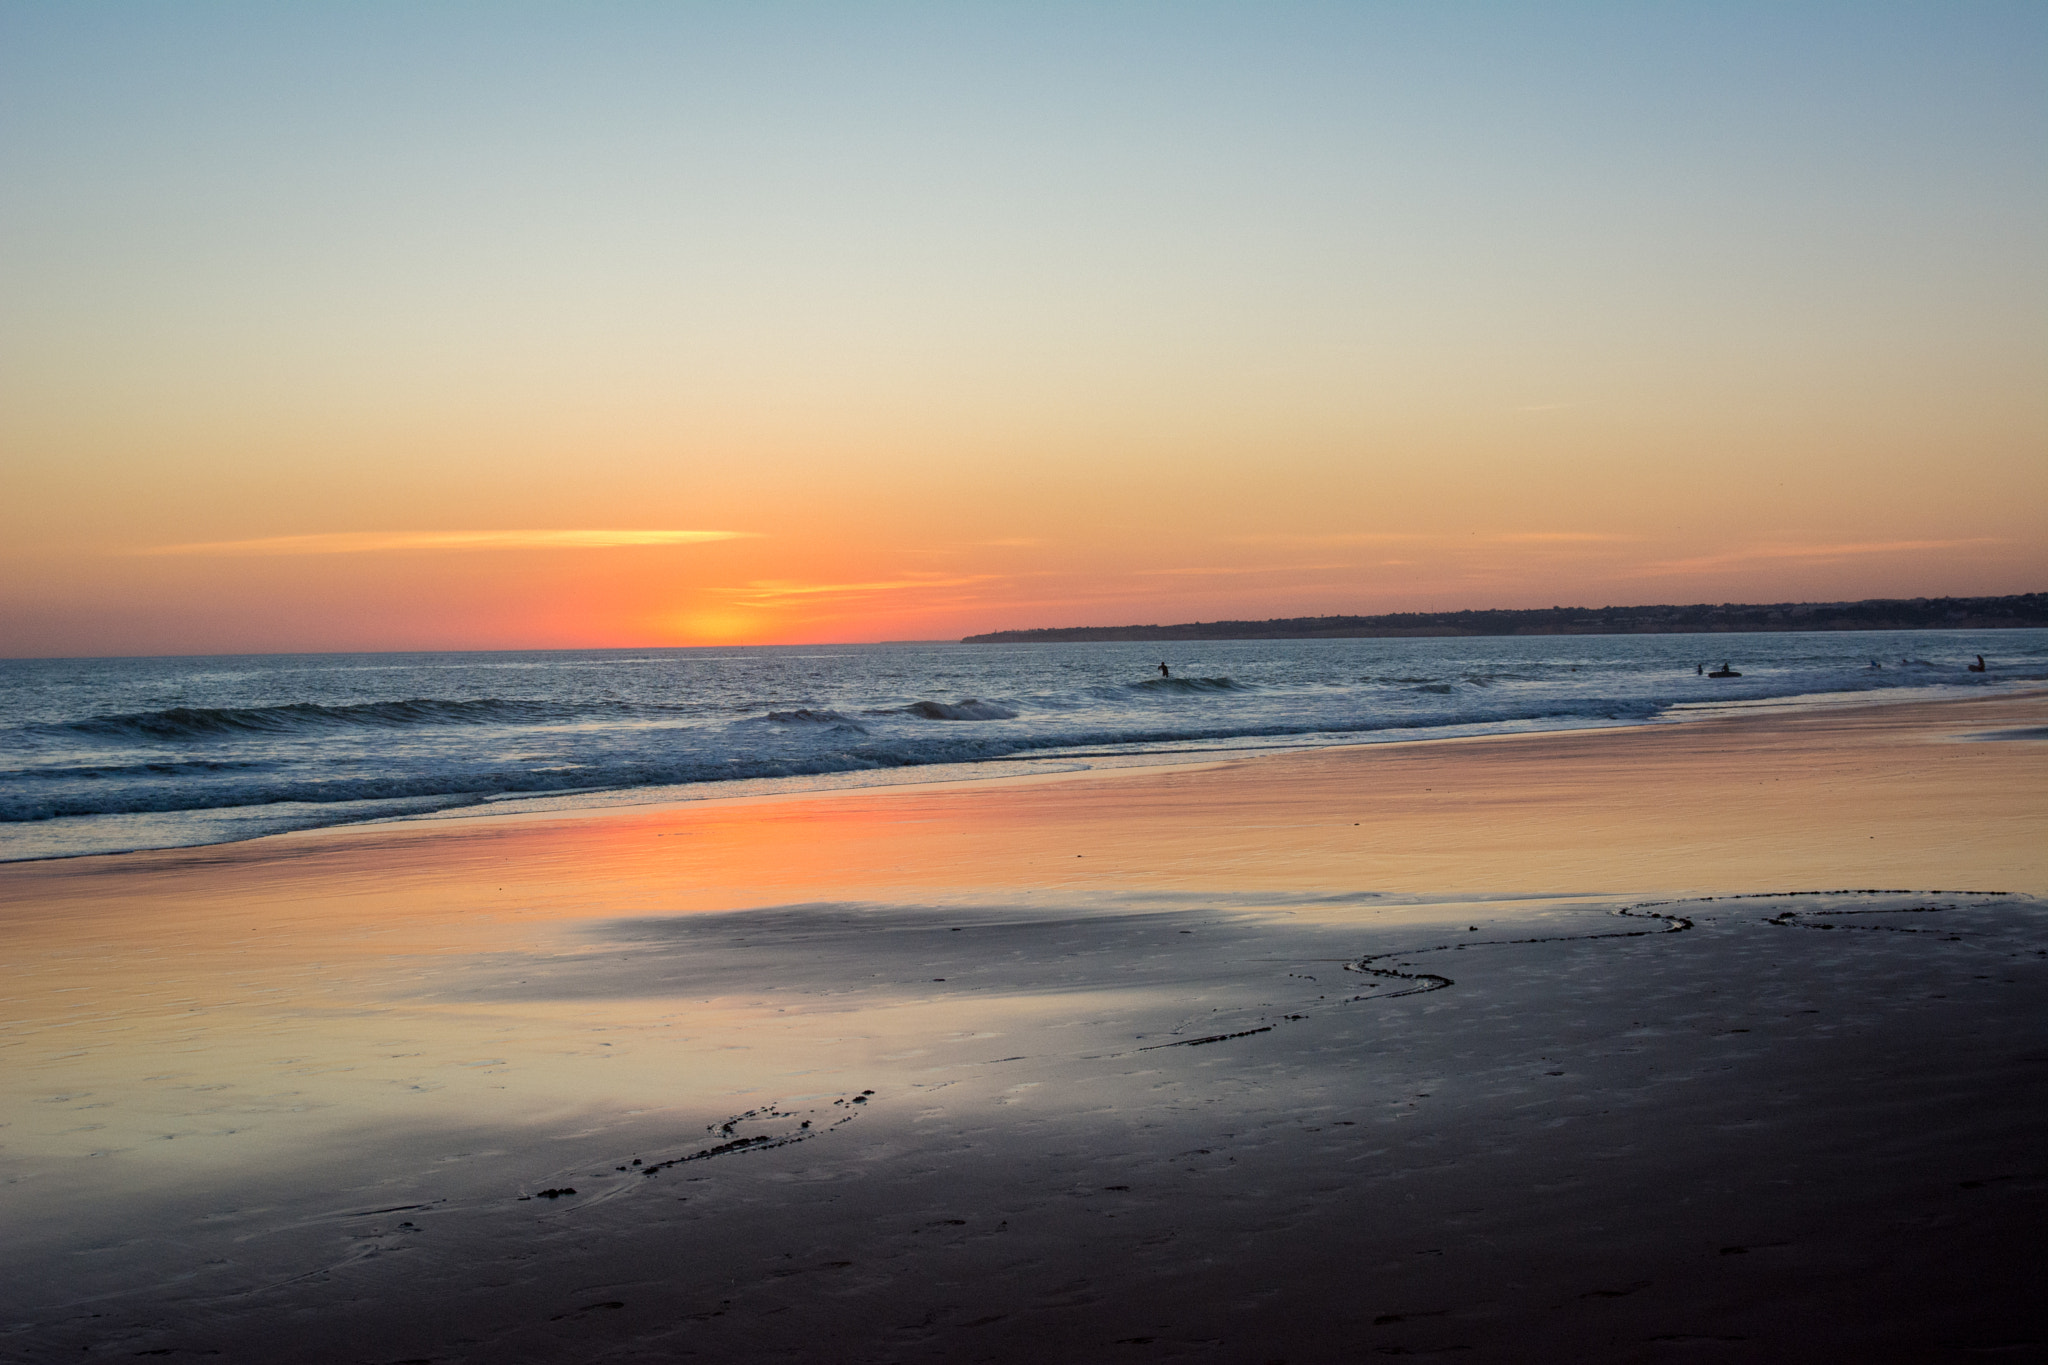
<point x="767" y="591"/>
<point x="711" y="628"/>
<point x="937" y="320"/>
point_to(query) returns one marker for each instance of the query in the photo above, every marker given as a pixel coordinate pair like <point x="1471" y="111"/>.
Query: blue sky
<point x="872" y="284"/>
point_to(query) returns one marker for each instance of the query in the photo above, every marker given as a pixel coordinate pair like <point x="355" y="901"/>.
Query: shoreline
<point x="1851" y="709"/>
<point x="1444" y="1045"/>
<point x="598" y="801"/>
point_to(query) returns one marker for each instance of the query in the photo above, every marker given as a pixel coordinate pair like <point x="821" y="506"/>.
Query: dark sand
<point x="1493" y="1050"/>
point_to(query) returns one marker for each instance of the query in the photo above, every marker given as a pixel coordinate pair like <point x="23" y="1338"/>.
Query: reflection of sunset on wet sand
<point x="942" y="1035"/>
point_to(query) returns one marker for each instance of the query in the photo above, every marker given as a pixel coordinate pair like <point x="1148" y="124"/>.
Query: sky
<point x="443" y="325"/>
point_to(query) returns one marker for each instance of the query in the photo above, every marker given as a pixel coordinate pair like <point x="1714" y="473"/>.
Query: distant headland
<point x="1881" y="613"/>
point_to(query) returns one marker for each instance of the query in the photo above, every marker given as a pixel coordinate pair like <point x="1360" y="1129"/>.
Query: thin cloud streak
<point x="771" y="592"/>
<point x="1339" y="538"/>
<point x="1749" y="554"/>
<point x="1439" y="538"/>
<point x="1228" y="570"/>
<point x="1558" y="538"/>
<point x="371" y="542"/>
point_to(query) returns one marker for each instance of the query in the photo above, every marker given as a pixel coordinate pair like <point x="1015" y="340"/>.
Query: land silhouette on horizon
<point x="2013" y="612"/>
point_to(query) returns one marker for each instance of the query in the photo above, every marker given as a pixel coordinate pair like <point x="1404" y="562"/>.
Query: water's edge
<point x="105" y="756"/>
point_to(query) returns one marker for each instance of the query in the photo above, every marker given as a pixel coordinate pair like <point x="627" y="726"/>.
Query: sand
<point x="1721" y="1041"/>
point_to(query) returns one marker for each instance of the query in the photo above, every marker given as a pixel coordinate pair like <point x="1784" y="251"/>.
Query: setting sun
<point x="929" y="321"/>
<point x="1036" y="682"/>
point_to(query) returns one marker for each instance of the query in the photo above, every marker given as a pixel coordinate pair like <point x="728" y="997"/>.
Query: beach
<point x="1723" y="1040"/>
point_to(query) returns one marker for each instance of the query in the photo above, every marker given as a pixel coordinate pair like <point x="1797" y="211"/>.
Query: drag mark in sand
<point x="1219" y="1037"/>
<point x="805" y="1129"/>
<point x="770" y="1127"/>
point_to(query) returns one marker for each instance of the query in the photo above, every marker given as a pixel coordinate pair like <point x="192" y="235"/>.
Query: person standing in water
<point x="1163" y="671"/>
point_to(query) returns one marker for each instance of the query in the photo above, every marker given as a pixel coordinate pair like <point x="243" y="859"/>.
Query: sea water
<point x="107" y="755"/>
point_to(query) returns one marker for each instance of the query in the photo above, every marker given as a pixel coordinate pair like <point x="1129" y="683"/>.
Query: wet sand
<point x="1513" y="1049"/>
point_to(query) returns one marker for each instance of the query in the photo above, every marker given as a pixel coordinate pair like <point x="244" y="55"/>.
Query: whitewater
<point x="114" y="755"/>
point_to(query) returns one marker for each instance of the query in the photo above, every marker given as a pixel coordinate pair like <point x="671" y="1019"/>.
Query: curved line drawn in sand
<point x="1431" y="981"/>
<point x="1800" y="919"/>
<point x="1840" y="891"/>
<point x="1424" y="982"/>
<point x="1797" y="919"/>
<point x="1418" y="983"/>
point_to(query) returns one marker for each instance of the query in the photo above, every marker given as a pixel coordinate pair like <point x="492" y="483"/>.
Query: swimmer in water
<point x="1163" y="671"/>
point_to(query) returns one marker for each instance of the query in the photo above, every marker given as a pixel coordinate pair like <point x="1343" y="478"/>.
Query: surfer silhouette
<point x="1977" y="667"/>
<point x="1163" y="671"/>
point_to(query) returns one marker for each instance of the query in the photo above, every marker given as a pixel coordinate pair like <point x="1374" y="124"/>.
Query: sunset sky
<point x="475" y="325"/>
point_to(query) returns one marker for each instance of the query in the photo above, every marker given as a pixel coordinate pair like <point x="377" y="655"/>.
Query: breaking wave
<point x="803" y="715"/>
<point x="69" y="772"/>
<point x="208" y="722"/>
<point x="1190" y="685"/>
<point x="969" y="709"/>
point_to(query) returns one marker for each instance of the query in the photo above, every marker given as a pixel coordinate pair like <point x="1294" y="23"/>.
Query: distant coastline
<point x="2015" y="612"/>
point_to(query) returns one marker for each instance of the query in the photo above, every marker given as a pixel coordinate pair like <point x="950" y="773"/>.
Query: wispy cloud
<point x="1229" y="569"/>
<point x="1752" y="553"/>
<point x="1556" y="538"/>
<point x="775" y="592"/>
<point x="1333" y="538"/>
<point x="369" y="542"/>
<point x="1434" y="537"/>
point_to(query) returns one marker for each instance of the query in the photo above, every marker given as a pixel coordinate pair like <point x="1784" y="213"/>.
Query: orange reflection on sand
<point x="214" y="1009"/>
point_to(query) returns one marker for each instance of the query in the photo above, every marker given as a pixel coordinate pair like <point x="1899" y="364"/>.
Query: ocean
<point x="114" y="755"/>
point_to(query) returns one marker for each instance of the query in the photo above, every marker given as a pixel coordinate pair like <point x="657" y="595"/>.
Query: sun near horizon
<point x="342" y="327"/>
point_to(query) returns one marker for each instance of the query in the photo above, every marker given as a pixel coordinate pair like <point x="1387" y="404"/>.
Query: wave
<point x="90" y="771"/>
<point x="36" y="802"/>
<point x="968" y="709"/>
<point x="803" y="715"/>
<point x="209" y="722"/>
<point x="1189" y="685"/>
<point x="180" y="768"/>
